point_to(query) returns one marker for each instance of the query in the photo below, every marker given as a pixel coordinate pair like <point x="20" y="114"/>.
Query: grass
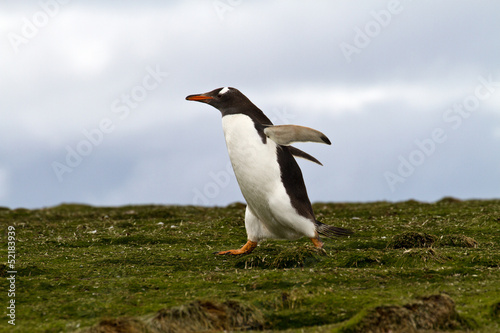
<point x="80" y="265"/>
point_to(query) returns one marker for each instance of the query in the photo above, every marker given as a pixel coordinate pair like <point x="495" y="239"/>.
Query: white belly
<point x="259" y="177"/>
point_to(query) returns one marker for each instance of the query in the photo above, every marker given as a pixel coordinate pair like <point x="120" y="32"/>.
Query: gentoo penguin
<point x="269" y="177"/>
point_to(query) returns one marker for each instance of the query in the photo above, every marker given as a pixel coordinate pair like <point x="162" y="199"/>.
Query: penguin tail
<point x="331" y="231"/>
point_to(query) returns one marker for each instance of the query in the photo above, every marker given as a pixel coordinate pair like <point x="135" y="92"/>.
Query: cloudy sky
<point x="93" y="111"/>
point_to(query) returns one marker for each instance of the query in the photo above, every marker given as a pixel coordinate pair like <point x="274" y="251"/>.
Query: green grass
<point x="79" y="264"/>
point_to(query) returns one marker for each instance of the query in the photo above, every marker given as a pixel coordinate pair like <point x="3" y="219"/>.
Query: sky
<point x="93" y="109"/>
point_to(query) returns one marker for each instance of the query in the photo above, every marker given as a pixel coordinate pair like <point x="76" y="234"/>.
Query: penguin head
<point x="224" y="99"/>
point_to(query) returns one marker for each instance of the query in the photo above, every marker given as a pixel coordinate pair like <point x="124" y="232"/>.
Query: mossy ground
<point x="78" y="264"/>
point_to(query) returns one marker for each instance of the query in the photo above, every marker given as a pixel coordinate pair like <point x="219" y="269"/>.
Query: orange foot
<point x="317" y="242"/>
<point x="246" y="249"/>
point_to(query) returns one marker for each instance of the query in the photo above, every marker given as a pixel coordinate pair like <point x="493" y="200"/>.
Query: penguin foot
<point x="245" y="249"/>
<point x="317" y="242"/>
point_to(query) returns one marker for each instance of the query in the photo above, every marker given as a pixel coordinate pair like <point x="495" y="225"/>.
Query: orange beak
<point x="198" y="97"/>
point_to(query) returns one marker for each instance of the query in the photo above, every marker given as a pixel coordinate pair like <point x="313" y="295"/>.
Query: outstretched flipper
<point x="302" y="154"/>
<point x="286" y="134"/>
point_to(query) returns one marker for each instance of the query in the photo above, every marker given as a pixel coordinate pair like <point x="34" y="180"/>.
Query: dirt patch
<point x="457" y="241"/>
<point x="206" y="315"/>
<point x="193" y="317"/>
<point x="412" y="239"/>
<point x="436" y="312"/>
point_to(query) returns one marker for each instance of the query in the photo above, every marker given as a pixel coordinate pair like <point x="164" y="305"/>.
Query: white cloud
<point x="67" y="77"/>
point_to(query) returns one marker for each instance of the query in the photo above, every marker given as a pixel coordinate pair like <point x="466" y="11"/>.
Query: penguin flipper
<point x="302" y="154"/>
<point x="286" y="134"/>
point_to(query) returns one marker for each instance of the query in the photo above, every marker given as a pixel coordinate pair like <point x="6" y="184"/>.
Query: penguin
<point x="268" y="175"/>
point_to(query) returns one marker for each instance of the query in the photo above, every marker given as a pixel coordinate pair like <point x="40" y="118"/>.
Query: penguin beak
<point x="199" y="98"/>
